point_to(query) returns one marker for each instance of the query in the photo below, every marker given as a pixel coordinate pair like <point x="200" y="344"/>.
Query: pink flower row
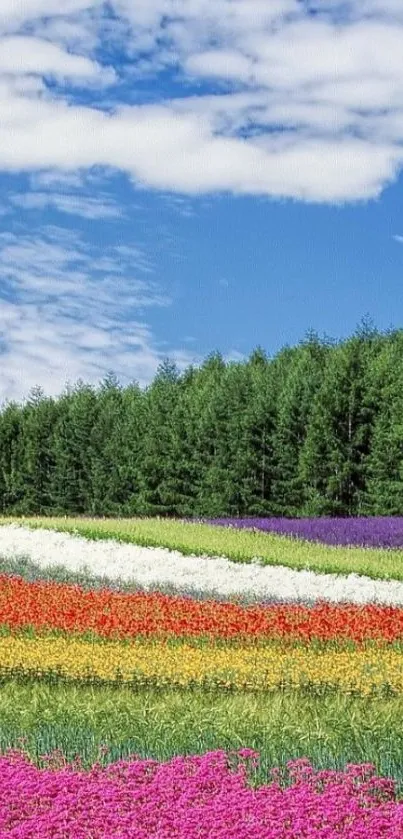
<point x="201" y="796"/>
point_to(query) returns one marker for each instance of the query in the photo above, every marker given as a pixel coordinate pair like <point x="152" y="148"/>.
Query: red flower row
<point x="46" y="605"/>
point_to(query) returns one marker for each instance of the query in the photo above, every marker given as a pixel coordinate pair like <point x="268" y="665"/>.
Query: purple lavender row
<point x="371" y="532"/>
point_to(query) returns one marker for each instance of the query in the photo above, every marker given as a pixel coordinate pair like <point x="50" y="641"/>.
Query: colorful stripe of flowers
<point x="285" y="578"/>
<point x="362" y="531"/>
<point x="45" y="605"/>
<point x="59" y="637"/>
<point x="190" y="797"/>
<point x="182" y="664"/>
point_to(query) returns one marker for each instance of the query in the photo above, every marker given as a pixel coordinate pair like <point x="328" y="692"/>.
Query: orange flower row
<point x="47" y="605"/>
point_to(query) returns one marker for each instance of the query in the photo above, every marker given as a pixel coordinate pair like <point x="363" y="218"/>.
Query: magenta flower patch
<point x="206" y="796"/>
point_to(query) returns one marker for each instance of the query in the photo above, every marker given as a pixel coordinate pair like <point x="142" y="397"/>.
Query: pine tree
<point x="211" y="409"/>
<point x="332" y="462"/>
<point x="227" y="476"/>
<point x="107" y="448"/>
<point x="157" y="468"/>
<point x="315" y="430"/>
<point x="384" y="465"/>
<point x="294" y="408"/>
<point x="133" y="432"/>
<point x="11" y="479"/>
<point x="260" y="424"/>
<point x="36" y="461"/>
<point x="71" y="486"/>
<point x="186" y="446"/>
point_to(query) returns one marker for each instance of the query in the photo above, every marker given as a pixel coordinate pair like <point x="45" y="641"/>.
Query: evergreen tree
<point x="211" y="410"/>
<point x="384" y="466"/>
<point x="133" y="430"/>
<point x="259" y="424"/>
<point x="315" y="430"/>
<point x="157" y="467"/>
<point x="107" y="450"/>
<point x="71" y="483"/>
<point x="226" y="477"/>
<point x="294" y="408"/>
<point x="186" y="453"/>
<point x="36" y="461"/>
<point x="11" y="478"/>
<point x="332" y="463"/>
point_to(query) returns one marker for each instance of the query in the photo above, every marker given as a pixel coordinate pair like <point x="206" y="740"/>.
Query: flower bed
<point x="194" y="704"/>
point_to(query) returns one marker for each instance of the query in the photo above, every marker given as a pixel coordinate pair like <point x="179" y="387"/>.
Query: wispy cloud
<point x="398" y="238"/>
<point x="52" y="180"/>
<point x="69" y="310"/>
<point x="234" y="355"/>
<point x="76" y="205"/>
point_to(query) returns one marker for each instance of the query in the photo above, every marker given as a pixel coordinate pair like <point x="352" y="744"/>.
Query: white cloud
<point x="398" y="238"/>
<point x="69" y="310"/>
<point x="224" y="64"/>
<point x="76" y="205"/>
<point x="312" y="108"/>
<point x="375" y="8"/>
<point x="234" y="355"/>
<point x="27" y="55"/>
<point x="78" y="34"/>
<point x="52" y="179"/>
<point x="17" y="12"/>
<point x="190" y="22"/>
<point x="41" y="134"/>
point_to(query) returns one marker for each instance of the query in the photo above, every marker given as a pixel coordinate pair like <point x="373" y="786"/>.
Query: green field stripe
<point x="330" y="730"/>
<point x="236" y="545"/>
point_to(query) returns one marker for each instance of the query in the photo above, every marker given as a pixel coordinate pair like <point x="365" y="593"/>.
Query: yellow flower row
<point x="259" y="668"/>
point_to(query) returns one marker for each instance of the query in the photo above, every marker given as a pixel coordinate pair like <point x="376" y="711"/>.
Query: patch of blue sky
<point x="178" y="178"/>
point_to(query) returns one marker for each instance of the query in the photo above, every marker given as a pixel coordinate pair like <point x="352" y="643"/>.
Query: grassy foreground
<point x="237" y="545"/>
<point x="331" y="730"/>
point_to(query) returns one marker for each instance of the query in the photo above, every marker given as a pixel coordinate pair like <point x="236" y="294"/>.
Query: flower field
<point x="152" y="685"/>
<point x="368" y="532"/>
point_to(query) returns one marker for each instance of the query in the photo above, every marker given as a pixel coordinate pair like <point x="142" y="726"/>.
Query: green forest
<point x="315" y="430"/>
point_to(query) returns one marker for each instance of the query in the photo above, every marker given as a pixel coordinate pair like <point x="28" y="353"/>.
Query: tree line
<point x="315" y="430"/>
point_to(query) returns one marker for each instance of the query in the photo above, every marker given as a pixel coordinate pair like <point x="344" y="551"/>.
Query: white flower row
<point x="154" y="568"/>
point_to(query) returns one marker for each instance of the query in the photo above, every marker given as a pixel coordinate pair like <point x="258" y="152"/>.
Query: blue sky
<point x="183" y="176"/>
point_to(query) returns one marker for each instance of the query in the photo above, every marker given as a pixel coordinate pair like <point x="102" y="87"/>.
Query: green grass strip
<point x="236" y="545"/>
<point x="330" y="730"/>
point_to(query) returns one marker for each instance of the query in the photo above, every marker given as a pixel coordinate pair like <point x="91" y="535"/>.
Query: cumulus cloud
<point x="36" y="134"/>
<point x="21" y="55"/>
<point x="310" y="106"/>
<point x="15" y="13"/>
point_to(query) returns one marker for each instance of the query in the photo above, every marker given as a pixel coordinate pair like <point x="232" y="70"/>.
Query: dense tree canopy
<point x="316" y="430"/>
